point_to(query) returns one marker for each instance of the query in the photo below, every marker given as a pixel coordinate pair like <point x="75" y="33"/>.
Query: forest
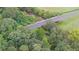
<point x="16" y="35"/>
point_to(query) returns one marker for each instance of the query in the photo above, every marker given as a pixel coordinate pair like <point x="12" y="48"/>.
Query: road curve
<point x="62" y="17"/>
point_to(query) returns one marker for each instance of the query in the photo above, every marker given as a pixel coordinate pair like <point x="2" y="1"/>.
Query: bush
<point x="12" y="48"/>
<point x="24" y="19"/>
<point x="36" y="47"/>
<point x="24" y="48"/>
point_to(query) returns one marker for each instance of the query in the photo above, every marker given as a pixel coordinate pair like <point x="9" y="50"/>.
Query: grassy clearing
<point x="70" y="24"/>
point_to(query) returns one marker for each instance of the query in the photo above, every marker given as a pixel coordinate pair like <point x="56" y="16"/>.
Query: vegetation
<point x="15" y="36"/>
<point x="50" y="12"/>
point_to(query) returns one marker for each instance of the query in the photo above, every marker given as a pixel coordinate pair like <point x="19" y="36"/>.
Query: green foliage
<point x="7" y="25"/>
<point x="15" y="36"/>
<point x="4" y="45"/>
<point x="1" y="41"/>
<point x="0" y="17"/>
<point x="28" y="9"/>
<point x="20" y="16"/>
<point x="58" y="39"/>
<point x="50" y="12"/>
<point x="12" y="48"/>
<point x="40" y="32"/>
<point x="74" y="34"/>
<point x="74" y="37"/>
<point x="45" y="42"/>
<point x="75" y="45"/>
<point x="63" y="46"/>
<point x="42" y="13"/>
<point x="49" y="26"/>
<point x="22" y="38"/>
<point x="23" y="48"/>
<point x="9" y="12"/>
<point x="1" y="9"/>
<point x="24" y="19"/>
<point x="19" y="37"/>
<point x="36" y="47"/>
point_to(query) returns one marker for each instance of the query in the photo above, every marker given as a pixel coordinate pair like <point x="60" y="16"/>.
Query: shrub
<point x="12" y="48"/>
<point x="24" y="48"/>
<point x="36" y="47"/>
<point x="24" y="19"/>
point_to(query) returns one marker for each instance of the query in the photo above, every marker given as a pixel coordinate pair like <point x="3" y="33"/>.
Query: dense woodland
<point x="15" y="36"/>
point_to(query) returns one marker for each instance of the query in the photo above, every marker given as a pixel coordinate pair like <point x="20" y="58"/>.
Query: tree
<point x="63" y="46"/>
<point x="12" y="48"/>
<point x="24" y="48"/>
<point x="40" y="32"/>
<point x="1" y="41"/>
<point x="7" y="25"/>
<point x="4" y="45"/>
<point x="74" y="38"/>
<point x="36" y="47"/>
<point x="19" y="37"/>
<point x="39" y="41"/>
<point x="33" y="41"/>
<point x="49" y="26"/>
<point x="58" y="39"/>
<point x="46" y="45"/>
<point x="75" y="45"/>
<point x="9" y="12"/>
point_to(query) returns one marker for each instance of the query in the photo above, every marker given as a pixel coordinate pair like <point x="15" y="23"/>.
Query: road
<point x="62" y="17"/>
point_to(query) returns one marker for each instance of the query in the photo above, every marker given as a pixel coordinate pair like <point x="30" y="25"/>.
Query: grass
<point x="47" y="12"/>
<point x="70" y="24"/>
<point x="58" y="9"/>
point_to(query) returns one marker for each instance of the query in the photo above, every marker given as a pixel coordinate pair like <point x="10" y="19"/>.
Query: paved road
<point x="62" y="17"/>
